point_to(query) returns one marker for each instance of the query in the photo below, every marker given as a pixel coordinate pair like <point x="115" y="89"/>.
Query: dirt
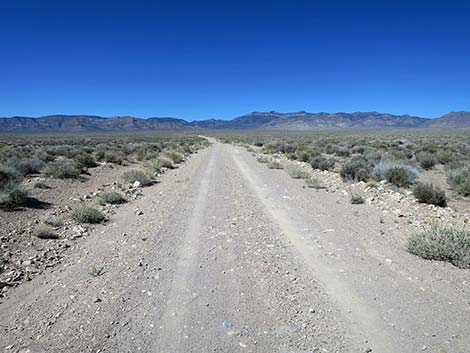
<point x="229" y="255"/>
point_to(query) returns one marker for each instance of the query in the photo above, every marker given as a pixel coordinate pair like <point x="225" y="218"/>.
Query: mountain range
<point x="298" y="121"/>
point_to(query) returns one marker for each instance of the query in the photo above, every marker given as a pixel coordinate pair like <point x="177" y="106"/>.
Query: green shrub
<point x="398" y="174"/>
<point x="322" y="163"/>
<point x="44" y="231"/>
<point x="174" y="156"/>
<point x="12" y="195"/>
<point x="426" y="160"/>
<point x="41" y="185"/>
<point x="443" y="242"/>
<point x="357" y="199"/>
<point x="458" y="177"/>
<point x="313" y="182"/>
<point x="88" y="215"/>
<point x="113" y="157"/>
<point x="85" y="160"/>
<point x="296" y="171"/>
<point x="356" y="169"/>
<point x="263" y="158"/>
<point x="427" y="193"/>
<point x="26" y="166"/>
<point x="134" y="175"/>
<point x="111" y="197"/>
<point x="63" y="169"/>
<point x="274" y="164"/>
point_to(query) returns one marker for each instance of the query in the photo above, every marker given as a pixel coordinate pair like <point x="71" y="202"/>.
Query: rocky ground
<point x="227" y="255"/>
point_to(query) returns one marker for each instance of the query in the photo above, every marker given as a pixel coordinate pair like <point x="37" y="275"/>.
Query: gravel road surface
<point x="230" y="256"/>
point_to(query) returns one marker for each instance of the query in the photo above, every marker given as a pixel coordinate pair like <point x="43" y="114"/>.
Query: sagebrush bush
<point x="274" y="164"/>
<point x="426" y="160"/>
<point x="174" y="156"/>
<point x="26" y="166"/>
<point x="88" y="215"/>
<point x="63" y="169"/>
<point x="44" y="231"/>
<point x="357" y="199"/>
<point x="443" y="242"/>
<point x="85" y="160"/>
<point x="396" y="173"/>
<point x="296" y="171"/>
<point x="112" y="197"/>
<point x="134" y="175"/>
<point x="12" y="193"/>
<point x="263" y="158"/>
<point x="428" y="193"/>
<point x="356" y="169"/>
<point x="313" y="182"/>
<point x="322" y="163"/>
<point x="458" y="176"/>
<point x="114" y="157"/>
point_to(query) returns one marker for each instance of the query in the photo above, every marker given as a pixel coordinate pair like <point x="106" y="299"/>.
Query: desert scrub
<point x="85" y="160"/>
<point x="274" y="164"/>
<point x="26" y="166"/>
<point x="88" y="215"/>
<point x="296" y="171"/>
<point x="357" y="200"/>
<point x="174" y="156"/>
<point x="428" y="193"/>
<point x="396" y="173"/>
<point x="443" y="242"/>
<point x="458" y="177"/>
<point x="12" y="193"/>
<point x="322" y="163"/>
<point x="112" y="197"/>
<point x="43" y="231"/>
<point x="356" y="169"/>
<point x="426" y="160"/>
<point x="63" y="169"/>
<point x="263" y="158"/>
<point x="134" y="175"/>
<point x="313" y="182"/>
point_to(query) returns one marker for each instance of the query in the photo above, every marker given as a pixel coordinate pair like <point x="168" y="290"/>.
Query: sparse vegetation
<point x="322" y="163"/>
<point x="296" y="171"/>
<point x="313" y="182"/>
<point x="428" y="193"/>
<point x="63" y="169"/>
<point x="396" y="173"/>
<point x="357" y="200"/>
<point x="357" y="169"/>
<point x="88" y="215"/>
<point x="134" y="175"/>
<point x="112" y="198"/>
<point x="458" y="176"/>
<point x="44" y="231"/>
<point x="12" y="193"/>
<point x="443" y="242"/>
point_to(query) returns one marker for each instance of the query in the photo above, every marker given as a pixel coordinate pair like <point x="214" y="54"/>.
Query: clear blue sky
<point x="219" y="59"/>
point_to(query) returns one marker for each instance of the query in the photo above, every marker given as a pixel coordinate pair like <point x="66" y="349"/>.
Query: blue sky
<point x="220" y="59"/>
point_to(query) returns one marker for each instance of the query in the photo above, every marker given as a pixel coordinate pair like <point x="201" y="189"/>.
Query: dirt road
<point x="230" y="256"/>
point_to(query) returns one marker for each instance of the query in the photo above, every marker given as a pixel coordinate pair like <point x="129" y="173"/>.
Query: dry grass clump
<point x="88" y="215"/>
<point x="134" y="175"/>
<point x="396" y="173"/>
<point x="313" y="182"/>
<point x="443" y="242"/>
<point x="296" y="171"/>
<point x="430" y="194"/>
<point x="63" y="169"/>
<point x="44" y="231"/>
<point x="12" y="192"/>
<point x="458" y="176"/>
<point x="111" y="198"/>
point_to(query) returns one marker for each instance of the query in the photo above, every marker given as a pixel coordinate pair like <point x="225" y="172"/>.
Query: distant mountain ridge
<point x="298" y="121"/>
